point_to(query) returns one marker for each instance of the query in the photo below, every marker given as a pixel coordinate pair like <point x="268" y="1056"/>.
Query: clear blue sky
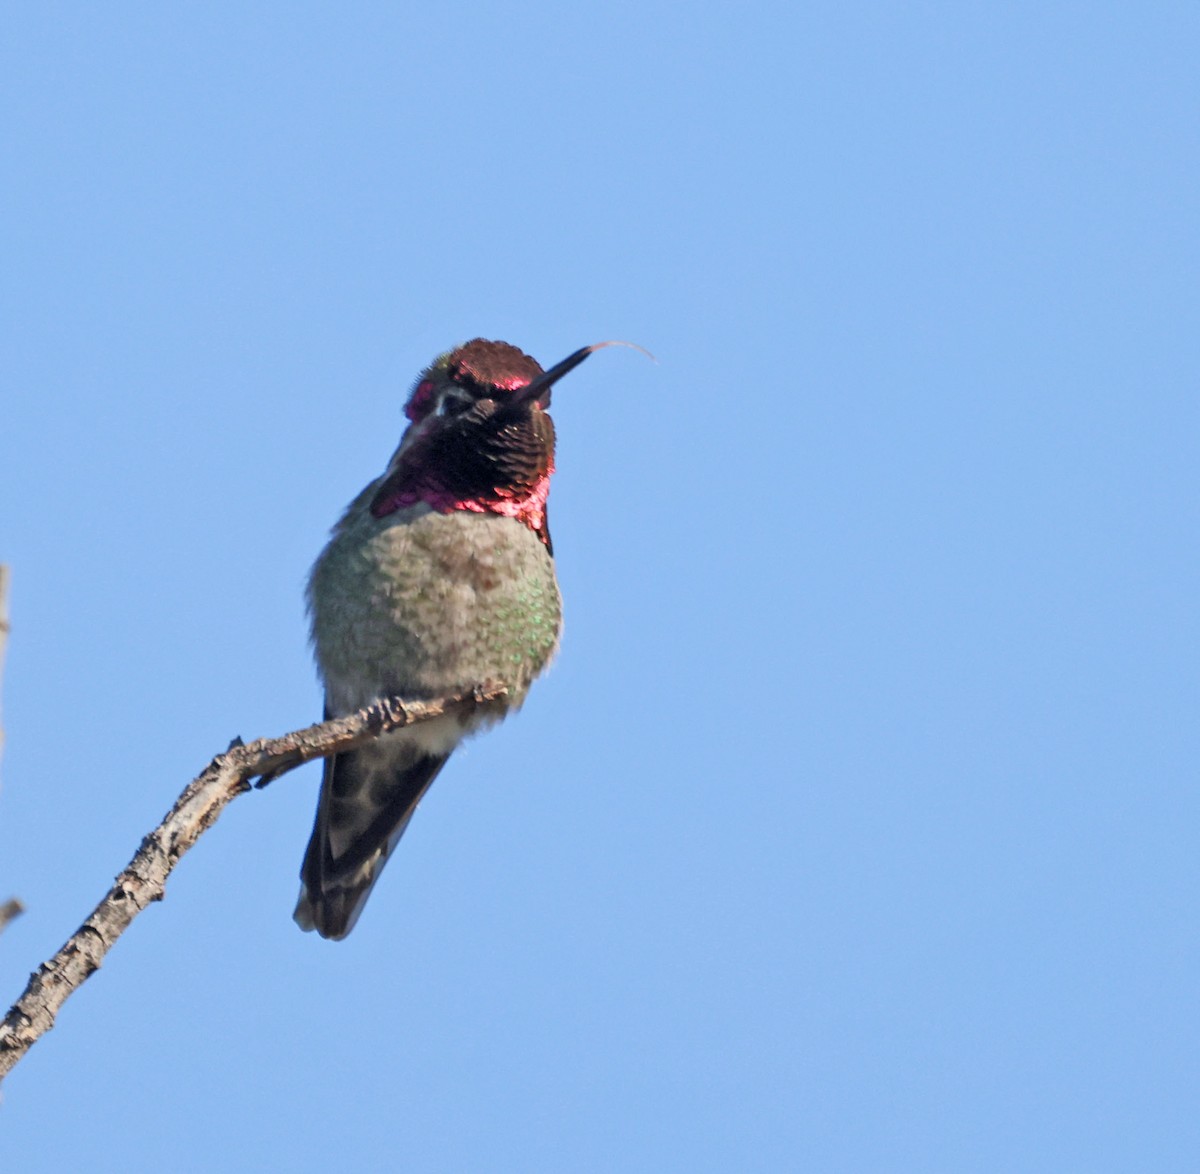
<point x="856" y="826"/>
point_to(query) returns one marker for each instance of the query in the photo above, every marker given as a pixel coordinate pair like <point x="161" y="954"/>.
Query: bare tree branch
<point x="196" y="810"/>
<point x="3" y="630"/>
<point x="9" y="911"/>
<point x="11" y="908"/>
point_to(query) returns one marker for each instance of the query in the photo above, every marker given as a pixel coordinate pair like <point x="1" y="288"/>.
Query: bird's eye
<point x="453" y="403"/>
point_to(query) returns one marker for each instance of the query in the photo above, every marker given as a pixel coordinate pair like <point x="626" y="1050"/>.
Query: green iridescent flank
<point x="435" y="601"/>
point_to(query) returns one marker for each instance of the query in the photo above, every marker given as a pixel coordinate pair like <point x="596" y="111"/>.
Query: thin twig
<point x="12" y="907"/>
<point x="143" y="880"/>
<point x="3" y="630"/>
<point x="10" y="911"/>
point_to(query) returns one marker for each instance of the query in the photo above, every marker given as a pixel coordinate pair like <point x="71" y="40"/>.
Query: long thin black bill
<point x="548" y="379"/>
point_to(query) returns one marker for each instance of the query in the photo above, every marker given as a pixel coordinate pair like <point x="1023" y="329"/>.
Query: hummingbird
<point x="438" y="577"/>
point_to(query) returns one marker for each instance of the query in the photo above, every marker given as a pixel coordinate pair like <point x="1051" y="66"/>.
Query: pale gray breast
<point x="420" y="603"/>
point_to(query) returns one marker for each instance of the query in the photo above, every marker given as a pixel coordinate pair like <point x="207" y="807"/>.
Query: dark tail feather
<point x="366" y="803"/>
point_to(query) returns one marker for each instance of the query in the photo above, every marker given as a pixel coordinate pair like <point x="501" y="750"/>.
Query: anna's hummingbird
<point x="438" y="577"/>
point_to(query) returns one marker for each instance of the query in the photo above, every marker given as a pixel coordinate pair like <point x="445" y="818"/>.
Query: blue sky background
<point x="856" y="825"/>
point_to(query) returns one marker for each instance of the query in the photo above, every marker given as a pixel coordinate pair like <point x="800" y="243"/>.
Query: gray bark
<point x="144" y="878"/>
